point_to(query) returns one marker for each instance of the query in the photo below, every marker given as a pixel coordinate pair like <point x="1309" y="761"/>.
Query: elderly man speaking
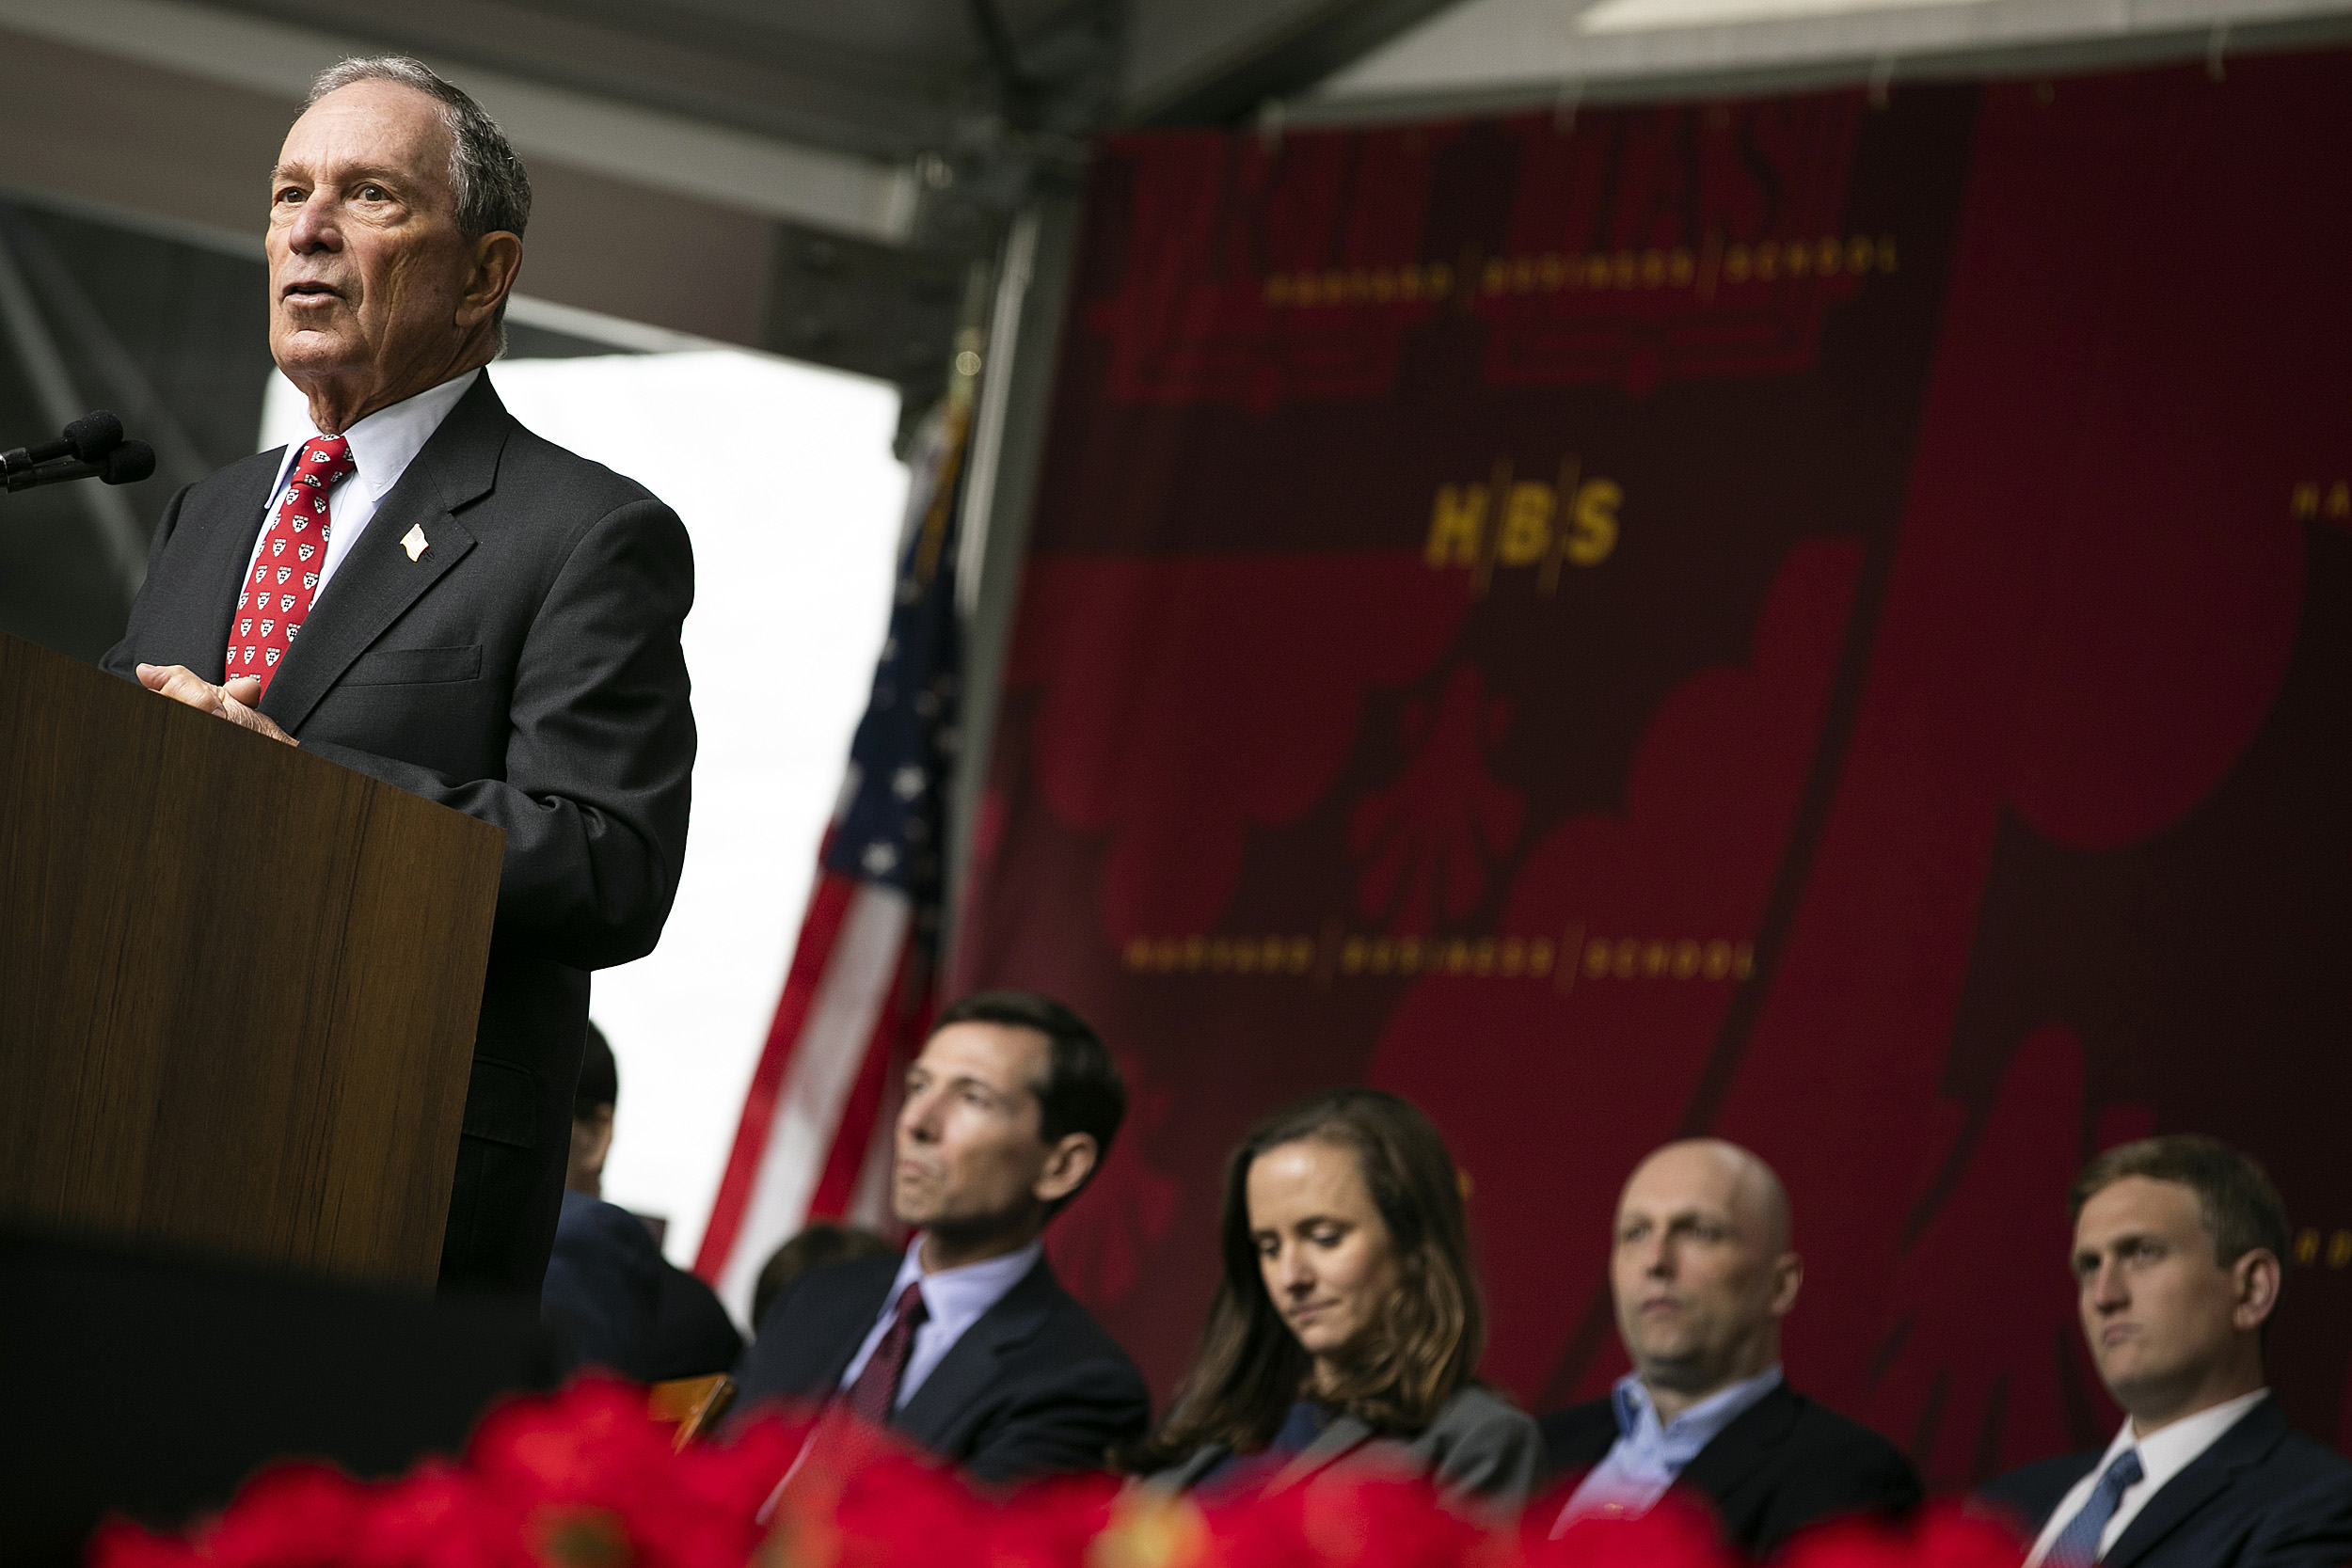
<point x="431" y="594"/>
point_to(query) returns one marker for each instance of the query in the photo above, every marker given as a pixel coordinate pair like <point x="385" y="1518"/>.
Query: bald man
<point x="1703" y="1272"/>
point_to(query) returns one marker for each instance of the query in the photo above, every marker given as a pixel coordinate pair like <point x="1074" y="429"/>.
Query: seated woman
<point x="1348" y="1321"/>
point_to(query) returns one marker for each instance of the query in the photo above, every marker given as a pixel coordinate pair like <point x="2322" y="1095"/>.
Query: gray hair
<point x="493" y="193"/>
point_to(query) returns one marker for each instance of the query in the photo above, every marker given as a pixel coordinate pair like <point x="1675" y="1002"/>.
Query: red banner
<point x="1820" y="623"/>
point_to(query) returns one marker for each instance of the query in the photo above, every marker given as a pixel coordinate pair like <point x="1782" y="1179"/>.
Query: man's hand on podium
<point x="232" y="702"/>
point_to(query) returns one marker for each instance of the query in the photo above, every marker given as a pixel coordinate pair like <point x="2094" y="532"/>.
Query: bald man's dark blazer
<point x="524" y="669"/>
<point x="1784" y="1463"/>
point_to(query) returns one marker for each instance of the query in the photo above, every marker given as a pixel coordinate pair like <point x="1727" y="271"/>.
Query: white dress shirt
<point x="382" y="447"/>
<point x="2163" y="1454"/>
<point x="953" y="1301"/>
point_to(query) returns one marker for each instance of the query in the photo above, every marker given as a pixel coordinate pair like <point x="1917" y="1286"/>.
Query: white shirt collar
<point x="2163" y="1454"/>
<point x="387" y="441"/>
<point x="2170" y="1449"/>
<point x="956" y="1298"/>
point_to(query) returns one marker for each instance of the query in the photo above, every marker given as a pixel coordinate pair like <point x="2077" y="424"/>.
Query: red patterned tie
<point x="285" y="575"/>
<point x="875" y="1393"/>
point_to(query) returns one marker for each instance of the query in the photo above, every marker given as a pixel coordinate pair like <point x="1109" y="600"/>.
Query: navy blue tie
<point x="2077" y="1545"/>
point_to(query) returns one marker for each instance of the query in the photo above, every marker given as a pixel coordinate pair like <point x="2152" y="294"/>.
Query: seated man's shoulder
<point x="1820" y="1429"/>
<point x="692" y="1334"/>
<point x="2024" y="1498"/>
<point x="592" y="1223"/>
<point x="1071" y="1333"/>
<point x="2302" y="1466"/>
<point x="812" y="1327"/>
<point x="1578" y="1436"/>
<point x="829" y="1289"/>
<point x="1830" y="1463"/>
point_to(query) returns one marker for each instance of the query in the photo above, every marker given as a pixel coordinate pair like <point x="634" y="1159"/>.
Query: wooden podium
<point x="238" y="983"/>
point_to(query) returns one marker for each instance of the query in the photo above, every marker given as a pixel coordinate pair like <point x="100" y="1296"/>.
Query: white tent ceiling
<point x="816" y="177"/>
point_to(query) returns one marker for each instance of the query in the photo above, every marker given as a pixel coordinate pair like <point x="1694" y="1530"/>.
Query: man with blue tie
<point x="2177" y="1249"/>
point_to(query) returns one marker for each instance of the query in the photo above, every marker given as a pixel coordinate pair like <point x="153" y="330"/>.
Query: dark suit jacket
<point x="2261" y="1496"/>
<point x="1783" y="1463"/>
<point x="620" y="1304"/>
<point x="524" y="669"/>
<point x="1033" y="1388"/>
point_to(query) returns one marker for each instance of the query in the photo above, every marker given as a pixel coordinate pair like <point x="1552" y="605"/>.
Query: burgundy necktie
<point x="875" y="1393"/>
<point x="277" y="594"/>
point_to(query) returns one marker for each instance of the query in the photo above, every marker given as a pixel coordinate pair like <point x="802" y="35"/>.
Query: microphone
<point x="88" y="439"/>
<point x="126" y="464"/>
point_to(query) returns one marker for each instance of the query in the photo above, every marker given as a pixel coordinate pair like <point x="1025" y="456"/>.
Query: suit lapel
<point x="224" y="546"/>
<point x="863" y="1309"/>
<point x="964" y="1371"/>
<point x="1345" y="1433"/>
<point x="2246" y="1443"/>
<point x="1738" y="1449"/>
<point x="378" y="580"/>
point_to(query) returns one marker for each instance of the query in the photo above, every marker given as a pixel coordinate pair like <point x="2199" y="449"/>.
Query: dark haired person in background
<point x="2178" y="1248"/>
<point x="1702" y="1272"/>
<point x="610" y="1293"/>
<point x="1348" y="1323"/>
<point x="967" y="1345"/>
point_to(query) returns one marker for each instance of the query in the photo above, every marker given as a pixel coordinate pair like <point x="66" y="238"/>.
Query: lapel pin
<point x="413" y="541"/>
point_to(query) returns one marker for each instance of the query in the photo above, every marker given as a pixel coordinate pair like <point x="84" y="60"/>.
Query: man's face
<point x="367" y="268"/>
<point x="969" y="1156"/>
<point x="2156" y="1306"/>
<point x="1696" y="1275"/>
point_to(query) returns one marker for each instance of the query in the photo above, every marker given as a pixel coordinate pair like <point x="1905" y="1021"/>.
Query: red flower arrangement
<point x="587" y="1480"/>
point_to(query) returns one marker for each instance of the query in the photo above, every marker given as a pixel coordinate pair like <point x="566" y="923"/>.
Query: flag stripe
<point x="854" y="990"/>
<point x="815" y="1132"/>
<point x="869" y="1201"/>
<point x="855" y="1128"/>
<point x="894" y="1031"/>
<point x="828" y="902"/>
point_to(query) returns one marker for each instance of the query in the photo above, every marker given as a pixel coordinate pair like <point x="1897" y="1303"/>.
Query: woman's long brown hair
<point x="1418" y="1353"/>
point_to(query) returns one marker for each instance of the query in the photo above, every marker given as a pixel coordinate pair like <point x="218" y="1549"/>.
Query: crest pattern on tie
<point x="875" y="1394"/>
<point x="275" y="598"/>
<point x="2077" y="1545"/>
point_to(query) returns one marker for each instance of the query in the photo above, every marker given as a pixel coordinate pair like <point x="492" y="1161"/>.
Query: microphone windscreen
<point x="129" y="463"/>
<point x="94" y="435"/>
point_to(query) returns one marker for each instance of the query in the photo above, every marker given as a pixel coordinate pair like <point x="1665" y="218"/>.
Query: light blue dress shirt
<point x="1648" y="1456"/>
<point x="953" y="1301"/>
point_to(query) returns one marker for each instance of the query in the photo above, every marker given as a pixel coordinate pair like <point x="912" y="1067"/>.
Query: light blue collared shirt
<point x="1647" y="1457"/>
<point x="953" y="1301"/>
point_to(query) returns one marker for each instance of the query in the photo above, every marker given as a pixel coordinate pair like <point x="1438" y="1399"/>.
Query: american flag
<point x="815" y="1137"/>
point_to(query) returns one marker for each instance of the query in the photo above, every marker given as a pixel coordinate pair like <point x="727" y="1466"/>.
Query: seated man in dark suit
<point x="2177" y="1249"/>
<point x="968" y="1346"/>
<point x="610" y="1294"/>
<point x="1702" y="1273"/>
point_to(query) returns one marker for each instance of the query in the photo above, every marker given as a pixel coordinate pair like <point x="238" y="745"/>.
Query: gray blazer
<point x="1483" y="1454"/>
